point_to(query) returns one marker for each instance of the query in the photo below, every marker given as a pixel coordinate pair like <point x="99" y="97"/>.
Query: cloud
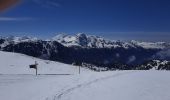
<point x="14" y="19"/>
<point x="131" y="59"/>
<point x="5" y="4"/>
<point x="117" y="55"/>
<point x="164" y="54"/>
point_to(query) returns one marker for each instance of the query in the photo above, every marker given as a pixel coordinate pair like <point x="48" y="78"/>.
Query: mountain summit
<point x="92" y="41"/>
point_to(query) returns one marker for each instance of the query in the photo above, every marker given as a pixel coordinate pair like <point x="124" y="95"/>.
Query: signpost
<point x="34" y="66"/>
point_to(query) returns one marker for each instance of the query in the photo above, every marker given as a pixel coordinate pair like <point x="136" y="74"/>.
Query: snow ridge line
<point x="65" y="92"/>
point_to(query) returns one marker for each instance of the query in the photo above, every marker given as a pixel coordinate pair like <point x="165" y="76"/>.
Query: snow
<point x="158" y="63"/>
<point x="88" y="41"/>
<point x="66" y="40"/>
<point x="141" y="85"/>
<point x="13" y="63"/>
<point x="17" y="39"/>
<point x="93" y="41"/>
<point x="18" y="82"/>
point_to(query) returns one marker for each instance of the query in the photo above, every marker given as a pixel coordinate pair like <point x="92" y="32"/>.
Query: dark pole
<point x="79" y="69"/>
<point x="36" y="67"/>
<point x="36" y="70"/>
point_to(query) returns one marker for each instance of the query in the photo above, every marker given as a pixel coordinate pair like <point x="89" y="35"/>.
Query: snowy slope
<point x="18" y="82"/>
<point x="13" y="63"/>
<point x="141" y="85"/>
<point x="118" y="85"/>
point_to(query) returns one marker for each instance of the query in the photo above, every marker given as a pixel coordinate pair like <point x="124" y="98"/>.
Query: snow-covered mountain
<point x="87" y="41"/>
<point x="155" y="65"/>
<point x="89" y="49"/>
<point x="92" y="41"/>
<point x="17" y="39"/>
<point x="4" y="41"/>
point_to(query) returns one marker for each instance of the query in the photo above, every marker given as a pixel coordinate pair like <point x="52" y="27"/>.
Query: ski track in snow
<point x="69" y="90"/>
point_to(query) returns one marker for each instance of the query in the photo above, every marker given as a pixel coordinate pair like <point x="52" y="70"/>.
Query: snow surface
<point x="13" y="63"/>
<point x="18" y="82"/>
<point x="141" y="85"/>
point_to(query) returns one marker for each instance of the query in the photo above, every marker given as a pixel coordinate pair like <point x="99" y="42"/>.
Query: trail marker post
<point x="79" y="69"/>
<point x="34" y="66"/>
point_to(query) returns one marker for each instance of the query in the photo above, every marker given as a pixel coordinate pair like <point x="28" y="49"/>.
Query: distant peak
<point x="81" y="34"/>
<point x="17" y="39"/>
<point x="93" y="41"/>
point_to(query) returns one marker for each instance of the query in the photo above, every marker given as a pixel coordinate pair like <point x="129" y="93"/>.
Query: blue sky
<point x="147" y="20"/>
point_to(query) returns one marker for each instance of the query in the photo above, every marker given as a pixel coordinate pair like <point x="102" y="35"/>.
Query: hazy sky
<point x="116" y="19"/>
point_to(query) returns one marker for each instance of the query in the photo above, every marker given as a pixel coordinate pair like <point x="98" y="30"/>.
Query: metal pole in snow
<point x="36" y="68"/>
<point x="79" y="69"/>
<point x="36" y="71"/>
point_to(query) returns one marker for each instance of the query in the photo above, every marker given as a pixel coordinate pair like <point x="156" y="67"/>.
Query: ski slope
<point x="13" y="63"/>
<point x="142" y="85"/>
<point x="18" y="82"/>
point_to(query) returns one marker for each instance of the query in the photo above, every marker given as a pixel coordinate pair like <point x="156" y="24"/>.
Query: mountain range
<point x="90" y="49"/>
<point x="92" y="41"/>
